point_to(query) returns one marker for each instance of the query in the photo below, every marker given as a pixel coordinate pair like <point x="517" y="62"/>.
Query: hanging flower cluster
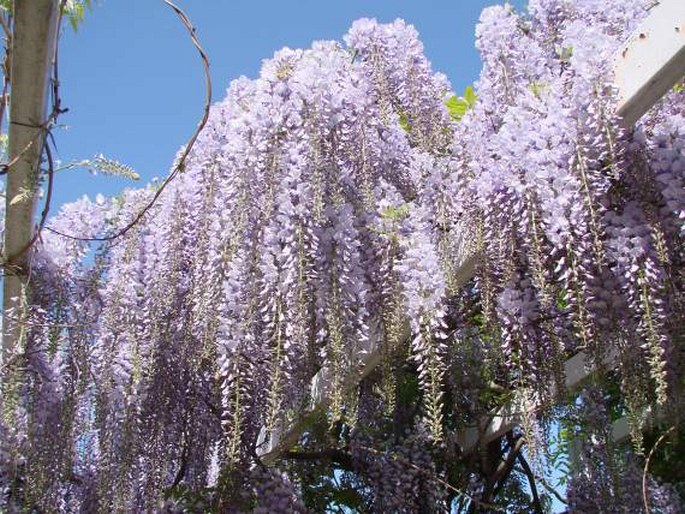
<point x="329" y="207"/>
<point x="578" y="219"/>
<point x="292" y="240"/>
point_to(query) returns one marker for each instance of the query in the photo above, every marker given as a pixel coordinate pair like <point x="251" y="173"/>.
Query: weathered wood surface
<point x="652" y="60"/>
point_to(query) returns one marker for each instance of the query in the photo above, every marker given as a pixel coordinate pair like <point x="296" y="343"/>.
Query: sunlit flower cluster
<point x="327" y="209"/>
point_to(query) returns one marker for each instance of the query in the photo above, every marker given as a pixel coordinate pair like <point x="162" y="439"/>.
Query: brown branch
<point x="56" y="100"/>
<point x="645" y="498"/>
<point x="44" y="128"/>
<point x="5" y="167"/>
<point x="506" y="466"/>
<point x="183" y="467"/>
<point x="180" y="165"/>
<point x="531" y="482"/>
<point x="48" y="194"/>
<point x="337" y="455"/>
<point x="5" y="89"/>
<point x="547" y="487"/>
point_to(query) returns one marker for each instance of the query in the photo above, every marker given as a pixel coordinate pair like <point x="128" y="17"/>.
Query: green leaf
<point x="470" y="96"/>
<point x="457" y="106"/>
<point x="561" y="300"/>
<point x="408" y="390"/>
<point x="75" y="11"/>
<point x="75" y="17"/>
<point x="404" y="122"/>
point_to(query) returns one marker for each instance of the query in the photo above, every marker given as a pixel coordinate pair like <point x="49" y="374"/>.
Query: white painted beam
<point x="652" y="60"/>
<point x="650" y="63"/>
<point x="576" y="370"/>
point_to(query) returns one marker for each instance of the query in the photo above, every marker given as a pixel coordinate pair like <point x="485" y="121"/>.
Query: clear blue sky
<point x="134" y="86"/>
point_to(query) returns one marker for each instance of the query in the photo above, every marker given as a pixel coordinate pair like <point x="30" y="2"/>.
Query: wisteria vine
<point x="327" y="209"/>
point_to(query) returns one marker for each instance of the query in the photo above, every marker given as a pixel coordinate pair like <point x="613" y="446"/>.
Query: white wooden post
<point x="650" y="63"/>
<point x="33" y="46"/>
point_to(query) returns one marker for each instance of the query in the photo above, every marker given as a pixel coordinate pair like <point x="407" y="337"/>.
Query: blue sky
<point x="134" y="86"/>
